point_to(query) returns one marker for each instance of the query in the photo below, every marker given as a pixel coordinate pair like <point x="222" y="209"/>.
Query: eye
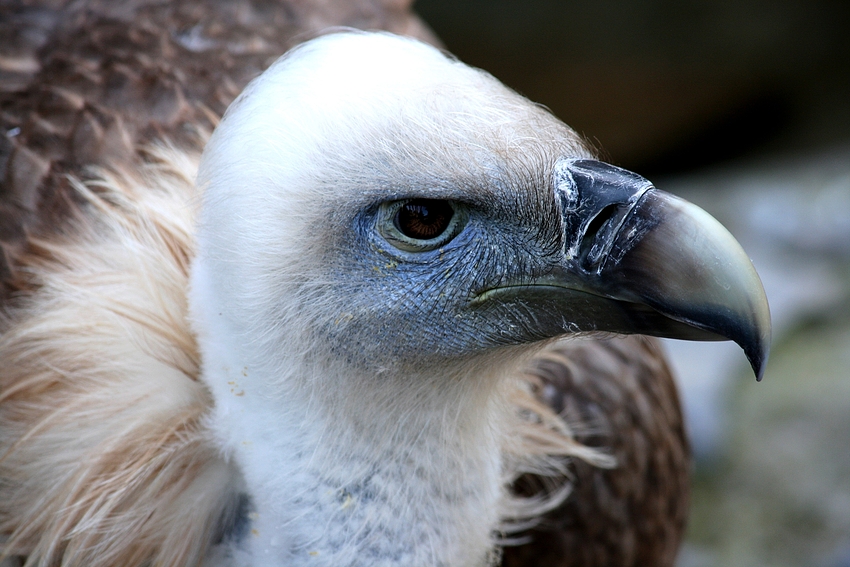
<point x="419" y="225"/>
<point x="423" y="219"/>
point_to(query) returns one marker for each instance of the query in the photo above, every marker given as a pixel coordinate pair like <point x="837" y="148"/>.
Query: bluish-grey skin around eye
<point x="610" y="253"/>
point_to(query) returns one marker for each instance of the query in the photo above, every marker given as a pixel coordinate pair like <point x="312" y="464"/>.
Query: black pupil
<point x="424" y="219"/>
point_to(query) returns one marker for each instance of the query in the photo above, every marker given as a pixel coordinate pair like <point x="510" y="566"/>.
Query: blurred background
<point x="744" y="108"/>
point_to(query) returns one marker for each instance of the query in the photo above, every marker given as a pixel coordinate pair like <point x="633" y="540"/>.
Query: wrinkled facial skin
<point x="598" y="248"/>
<point x="421" y="305"/>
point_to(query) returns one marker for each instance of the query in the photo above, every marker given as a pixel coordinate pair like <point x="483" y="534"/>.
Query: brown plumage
<point x="85" y="83"/>
<point x="618" y="394"/>
<point x="90" y="83"/>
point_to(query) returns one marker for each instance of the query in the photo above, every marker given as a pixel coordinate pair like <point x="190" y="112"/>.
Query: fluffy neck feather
<point x="349" y="469"/>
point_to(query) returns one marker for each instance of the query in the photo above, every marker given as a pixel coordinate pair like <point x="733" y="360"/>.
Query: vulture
<point x="383" y="311"/>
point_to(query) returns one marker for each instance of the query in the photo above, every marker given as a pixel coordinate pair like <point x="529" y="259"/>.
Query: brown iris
<point x="424" y="219"/>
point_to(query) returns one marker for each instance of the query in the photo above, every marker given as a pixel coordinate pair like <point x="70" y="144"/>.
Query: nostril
<point x="589" y="249"/>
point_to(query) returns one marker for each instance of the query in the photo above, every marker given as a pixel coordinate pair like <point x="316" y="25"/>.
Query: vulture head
<point x="372" y="203"/>
<point x="385" y="234"/>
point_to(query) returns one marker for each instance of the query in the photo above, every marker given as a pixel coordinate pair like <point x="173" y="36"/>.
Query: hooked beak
<point x="638" y="260"/>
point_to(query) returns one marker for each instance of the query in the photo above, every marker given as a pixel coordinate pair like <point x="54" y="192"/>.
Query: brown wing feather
<point x="618" y="394"/>
<point x="89" y="82"/>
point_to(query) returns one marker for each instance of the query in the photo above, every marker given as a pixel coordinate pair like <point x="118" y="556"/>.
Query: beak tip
<point x="758" y="349"/>
<point x="758" y="357"/>
<point x="756" y="337"/>
<point x="759" y="365"/>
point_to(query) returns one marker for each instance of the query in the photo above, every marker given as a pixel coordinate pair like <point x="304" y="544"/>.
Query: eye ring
<point x="420" y="225"/>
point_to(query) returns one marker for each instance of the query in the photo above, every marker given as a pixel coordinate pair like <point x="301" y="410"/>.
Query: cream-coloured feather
<point x="104" y="455"/>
